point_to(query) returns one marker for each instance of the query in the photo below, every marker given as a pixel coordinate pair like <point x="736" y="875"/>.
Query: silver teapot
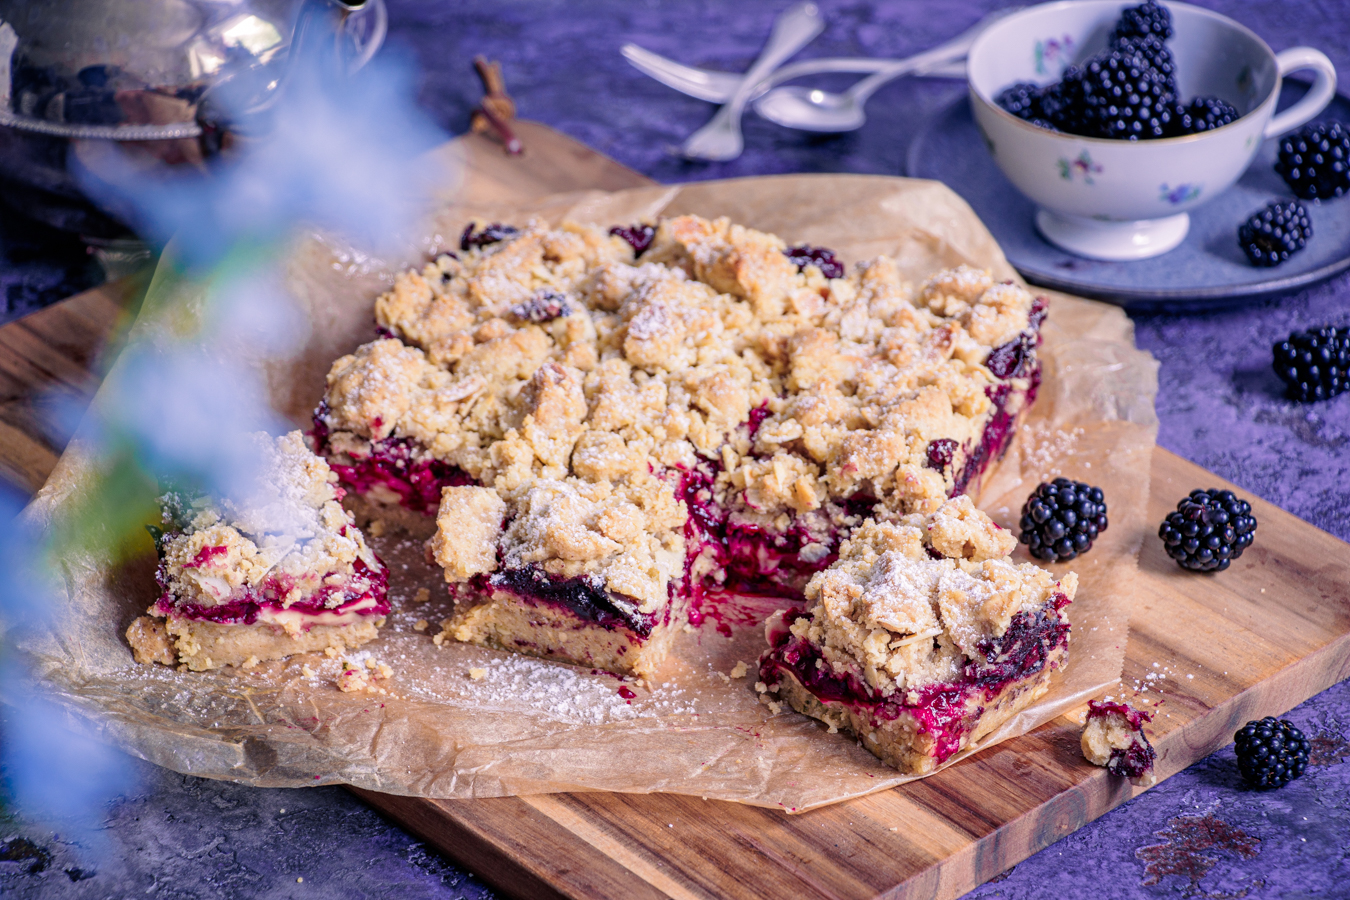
<point x="147" y="74"/>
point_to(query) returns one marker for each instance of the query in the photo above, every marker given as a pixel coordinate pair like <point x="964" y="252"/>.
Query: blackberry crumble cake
<point x="922" y="637"/>
<point x="605" y="424"/>
<point x="1114" y="737"/>
<point x="286" y="571"/>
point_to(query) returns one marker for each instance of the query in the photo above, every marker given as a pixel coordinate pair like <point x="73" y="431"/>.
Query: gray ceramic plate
<point x="1207" y="271"/>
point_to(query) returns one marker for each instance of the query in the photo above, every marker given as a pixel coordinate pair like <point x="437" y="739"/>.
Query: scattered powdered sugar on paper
<point x="350" y="261"/>
<point x="564" y="693"/>
<point x="1045" y="447"/>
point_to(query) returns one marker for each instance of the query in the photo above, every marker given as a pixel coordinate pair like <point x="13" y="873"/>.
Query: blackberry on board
<point x="1062" y="518"/>
<point x="1271" y="753"/>
<point x="1204" y="114"/>
<point x="1315" y="161"/>
<point x="1208" y="530"/>
<point x="1275" y="233"/>
<point x="1148" y="18"/>
<point x="1314" y="364"/>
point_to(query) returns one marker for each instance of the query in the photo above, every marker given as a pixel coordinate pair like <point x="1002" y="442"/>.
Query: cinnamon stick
<point x="496" y="110"/>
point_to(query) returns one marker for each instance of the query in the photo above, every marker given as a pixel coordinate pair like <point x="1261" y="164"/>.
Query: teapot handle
<point x="1318" y="96"/>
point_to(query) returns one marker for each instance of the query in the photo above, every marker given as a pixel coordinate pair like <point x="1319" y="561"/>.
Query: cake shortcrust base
<point x="206" y="645"/>
<point x="899" y="742"/>
<point x="366" y="509"/>
<point x="557" y="634"/>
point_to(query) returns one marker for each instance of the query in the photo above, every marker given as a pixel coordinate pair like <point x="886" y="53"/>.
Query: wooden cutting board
<point x="1257" y="640"/>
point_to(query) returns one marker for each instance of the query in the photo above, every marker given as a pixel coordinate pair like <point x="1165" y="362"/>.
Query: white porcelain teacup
<point x="1121" y="200"/>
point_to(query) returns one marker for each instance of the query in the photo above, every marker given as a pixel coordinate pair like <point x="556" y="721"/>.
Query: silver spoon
<point x="721" y="138"/>
<point x="810" y="109"/>
<point x="718" y="87"/>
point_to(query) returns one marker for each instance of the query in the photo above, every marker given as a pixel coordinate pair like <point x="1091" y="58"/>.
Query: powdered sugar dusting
<point x="1048" y="449"/>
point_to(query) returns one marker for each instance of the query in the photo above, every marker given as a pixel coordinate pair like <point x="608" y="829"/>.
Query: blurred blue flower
<point x="335" y="151"/>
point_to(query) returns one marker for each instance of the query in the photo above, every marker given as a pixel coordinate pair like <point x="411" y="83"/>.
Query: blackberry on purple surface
<point x="1149" y="18"/>
<point x="639" y="237"/>
<point x="1271" y="753"/>
<point x="490" y="234"/>
<point x="823" y="259"/>
<point x="1275" y="233"/>
<point x="1315" y="161"/>
<point x="1208" y="530"/>
<point x="1204" y="114"/>
<point x="1062" y="518"/>
<point x="1314" y="364"/>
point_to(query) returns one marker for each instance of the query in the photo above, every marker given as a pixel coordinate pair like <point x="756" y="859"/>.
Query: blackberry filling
<point x="1134" y="761"/>
<point x="940" y="453"/>
<point x="490" y="234"/>
<point x="639" y="237"/>
<point x="756" y="561"/>
<point x="544" y="306"/>
<point x="825" y="260"/>
<point x="365" y="594"/>
<point x="585" y="598"/>
<point x="394" y="464"/>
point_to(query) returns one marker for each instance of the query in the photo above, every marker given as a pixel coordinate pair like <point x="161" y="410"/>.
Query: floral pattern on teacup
<point x="1053" y="50"/>
<point x="1069" y="169"/>
<point x="1182" y="193"/>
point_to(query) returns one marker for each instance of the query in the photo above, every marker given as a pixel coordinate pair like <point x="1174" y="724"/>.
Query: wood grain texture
<point x="1248" y="654"/>
<point x="54" y="356"/>
<point x="1256" y="640"/>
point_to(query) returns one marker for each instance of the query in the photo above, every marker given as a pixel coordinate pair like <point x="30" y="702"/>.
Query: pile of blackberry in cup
<point x="1127" y="93"/>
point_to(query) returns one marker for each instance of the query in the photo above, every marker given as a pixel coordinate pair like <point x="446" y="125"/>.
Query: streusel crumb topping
<point x="890" y="611"/>
<point x="289" y="530"/>
<point x="573" y="380"/>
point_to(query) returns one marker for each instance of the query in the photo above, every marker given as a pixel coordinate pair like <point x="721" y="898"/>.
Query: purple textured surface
<point x="1198" y="834"/>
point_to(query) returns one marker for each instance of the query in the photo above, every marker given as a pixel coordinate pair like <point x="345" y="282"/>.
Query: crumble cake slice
<point x="922" y="637"/>
<point x="1113" y="737"/>
<point x="284" y="571"/>
<point x="704" y="409"/>
<point x="583" y="572"/>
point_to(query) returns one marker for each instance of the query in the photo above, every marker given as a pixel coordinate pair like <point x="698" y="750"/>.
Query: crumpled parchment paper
<point x="459" y="721"/>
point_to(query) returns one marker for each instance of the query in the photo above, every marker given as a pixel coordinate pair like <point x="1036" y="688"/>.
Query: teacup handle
<point x="1318" y="96"/>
